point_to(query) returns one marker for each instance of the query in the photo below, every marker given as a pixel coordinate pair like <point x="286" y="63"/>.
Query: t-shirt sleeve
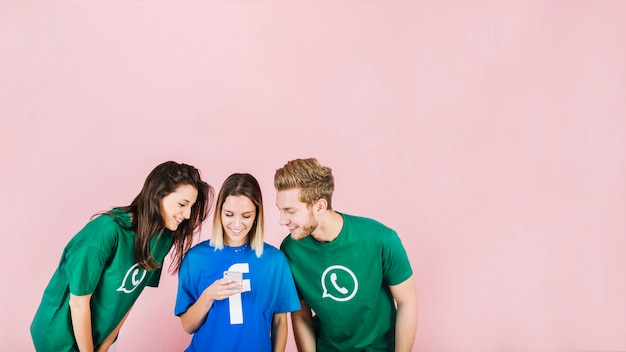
<point x="86" y="256"/>
<point x="184" y="296"/>
<point x="155" y="278"/>
<point x="285" y="249"/>
<point x="287" y="298"/>
<point x="396" y="265"/>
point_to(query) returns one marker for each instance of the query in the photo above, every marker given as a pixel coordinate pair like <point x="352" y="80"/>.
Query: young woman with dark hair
<point x="107" y="264"/>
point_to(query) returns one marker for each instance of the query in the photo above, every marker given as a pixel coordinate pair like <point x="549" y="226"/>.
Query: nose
<point x="282" y="219"/>
<point x="187" y="213"/>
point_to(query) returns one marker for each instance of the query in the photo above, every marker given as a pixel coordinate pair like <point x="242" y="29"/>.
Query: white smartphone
<point x="235" y="276"/>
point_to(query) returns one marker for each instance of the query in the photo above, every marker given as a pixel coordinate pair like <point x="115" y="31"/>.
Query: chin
<point x="298" y="236"/>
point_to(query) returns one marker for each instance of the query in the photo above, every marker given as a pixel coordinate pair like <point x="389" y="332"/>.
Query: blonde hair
<point x="240" y="185"/>
<point x="314" y="180"/>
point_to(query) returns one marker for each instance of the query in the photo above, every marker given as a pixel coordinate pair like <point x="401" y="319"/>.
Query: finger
<point x="235" y="286"/>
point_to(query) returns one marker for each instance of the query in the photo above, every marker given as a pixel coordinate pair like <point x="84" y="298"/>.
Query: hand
<point x="223" y="288"/>
<point x="103" y="348"/>
<point x="196" y="314"/>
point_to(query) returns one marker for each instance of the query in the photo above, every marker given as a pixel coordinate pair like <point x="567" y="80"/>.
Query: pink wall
<point x="490" y="136"/>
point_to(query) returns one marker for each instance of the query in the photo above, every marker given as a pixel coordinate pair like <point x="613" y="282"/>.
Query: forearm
<point x="302" y="322"/>
<point x="196" y="314"/>
<point x="106" y="344"/>
<point x="80" y="312"/>
<point x="406" y="325"/>
<point x="279" y="332"/>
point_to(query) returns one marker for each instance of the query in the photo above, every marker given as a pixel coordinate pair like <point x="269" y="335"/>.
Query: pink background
<point x="490" y="136"/>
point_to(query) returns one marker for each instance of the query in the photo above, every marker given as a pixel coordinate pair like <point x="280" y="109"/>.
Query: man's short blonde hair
<point x="314" y="180"/>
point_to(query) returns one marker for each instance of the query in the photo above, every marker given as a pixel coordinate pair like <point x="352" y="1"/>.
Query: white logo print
<point x="134" y="276"/>
<point x="342" y="281"/>
<point x="235" y="305"/>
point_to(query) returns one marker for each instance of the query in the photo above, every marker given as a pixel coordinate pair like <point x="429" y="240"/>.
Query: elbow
<point x="279" y="321"/>
<point x="188" y="330"/>
<point x="79" y="302"/>
<point x="188" y="325"/>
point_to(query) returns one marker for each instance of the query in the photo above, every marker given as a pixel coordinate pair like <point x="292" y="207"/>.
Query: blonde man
<point x="353" y="276"/>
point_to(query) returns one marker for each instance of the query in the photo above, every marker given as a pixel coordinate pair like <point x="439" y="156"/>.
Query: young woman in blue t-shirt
<point x="246" y="315"/>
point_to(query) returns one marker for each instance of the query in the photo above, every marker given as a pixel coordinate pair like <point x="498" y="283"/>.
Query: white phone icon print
<point x="333" y="280"/>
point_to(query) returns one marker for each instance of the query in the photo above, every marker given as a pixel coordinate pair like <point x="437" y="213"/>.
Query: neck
<point x="232" y="244"/>
<point x="329" y="226"/>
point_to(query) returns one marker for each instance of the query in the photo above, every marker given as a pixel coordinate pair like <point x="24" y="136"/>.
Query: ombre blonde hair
<point x="240" y="185"/>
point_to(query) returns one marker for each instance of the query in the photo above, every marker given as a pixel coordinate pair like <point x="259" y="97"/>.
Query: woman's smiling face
<point x="176" y="206"/>
<point x="238" y="215"/>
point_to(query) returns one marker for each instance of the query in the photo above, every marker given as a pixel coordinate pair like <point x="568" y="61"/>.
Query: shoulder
<point x="200" y="249"/>
<point x="104" y="220"/>
<point x="371" y="231"/>
<point x="270" y="250"/>
<point x="365" y="223"/>
<point x="274" y="254"/>
<point x="197" y="253"/>
<point x="112" y="221"/>
<point x="289" y="246"/>
<point x="102" y="228"/>
<point x="286" y="242"/>
<point x="269" y="247"/>
<point x="103" y="234"/>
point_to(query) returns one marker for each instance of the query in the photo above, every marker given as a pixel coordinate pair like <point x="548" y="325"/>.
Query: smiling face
<point x="238" y="215"/>
<point x="296" y="215"/>
<point x="176" y="206"/>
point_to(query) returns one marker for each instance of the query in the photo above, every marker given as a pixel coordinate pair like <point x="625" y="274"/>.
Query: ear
<point x="321" y="205"/>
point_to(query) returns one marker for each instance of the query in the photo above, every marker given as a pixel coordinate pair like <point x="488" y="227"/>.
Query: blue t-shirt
<point x="241" y="322"/>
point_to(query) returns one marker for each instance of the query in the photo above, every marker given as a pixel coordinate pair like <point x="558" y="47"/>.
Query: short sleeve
<point x="287" y="299"/>
<point x="184" y="297"/>
<point x="396" y="265"/>
<point x="155" y="278"/>
<point x="86" y="256"/>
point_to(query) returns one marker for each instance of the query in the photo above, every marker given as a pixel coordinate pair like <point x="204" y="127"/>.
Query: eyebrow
<point x="244" y="213"/>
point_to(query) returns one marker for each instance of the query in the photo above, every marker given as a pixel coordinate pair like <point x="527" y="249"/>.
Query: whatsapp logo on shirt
<point x="134" y="276"/>
<point x="339" y="283"/>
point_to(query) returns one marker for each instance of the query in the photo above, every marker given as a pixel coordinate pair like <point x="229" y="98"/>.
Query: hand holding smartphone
<point x="234" y="276"/>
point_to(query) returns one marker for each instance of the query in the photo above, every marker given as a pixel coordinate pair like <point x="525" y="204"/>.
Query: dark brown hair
<point x="146" y="217"/>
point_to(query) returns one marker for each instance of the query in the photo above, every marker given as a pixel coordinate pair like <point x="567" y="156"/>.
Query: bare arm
<point x="196" y="314"/>
<point x="80" y="310"/>
<point x="106" y="344"/>
<point x="302" y="321"/>
<point x="406" y="318"/>
<point x="279" y="332"/>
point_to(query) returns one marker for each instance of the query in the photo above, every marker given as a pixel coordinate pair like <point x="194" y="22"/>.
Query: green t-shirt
<point x="346" y="283"/>
<point x="100" y="261"/>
